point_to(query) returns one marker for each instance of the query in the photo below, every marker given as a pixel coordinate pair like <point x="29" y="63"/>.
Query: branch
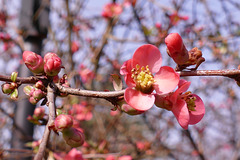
<point x="88" y="93"/>
<point x="52" y="115"/>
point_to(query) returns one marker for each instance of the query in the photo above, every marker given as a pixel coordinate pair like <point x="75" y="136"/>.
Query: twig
<point x="200" y="154"/>
<point x="52" y="115"/>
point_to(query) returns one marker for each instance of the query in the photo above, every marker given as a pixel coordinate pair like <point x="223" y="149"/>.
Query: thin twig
<point x="52" y="115"/>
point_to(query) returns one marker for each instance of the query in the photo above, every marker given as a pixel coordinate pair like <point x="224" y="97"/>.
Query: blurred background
<point x="93" y="45"/>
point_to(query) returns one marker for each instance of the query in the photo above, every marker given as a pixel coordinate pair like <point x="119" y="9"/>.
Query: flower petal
<point x="180" y="111"/>
<point x="196" y="116"/>
<point x="166" y="80"/>
<point x="148" y="55"/>
<point x="183" y="86"/>
<point x="126" y="71"/>
<point x="139" y="100"/>
<point x="126" y="67"/>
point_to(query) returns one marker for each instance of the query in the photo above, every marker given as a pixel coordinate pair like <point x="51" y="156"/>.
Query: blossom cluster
<point x="151" y="83"/>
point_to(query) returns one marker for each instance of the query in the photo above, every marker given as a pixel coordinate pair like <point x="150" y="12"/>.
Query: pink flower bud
<point x="32" y="100"/>
<point x="176" y="49"/>
<point x="52" y="64"/>
<point x="33" y="61"/>
<point x="74" y="154"/>
<point x="73" y="137"/>
<point x="7" y="88"/>
<point x="39" y="113"/>
<point x="38" y="94"/>
<point x="63" y="121"/>
<point x="39" y="85"/>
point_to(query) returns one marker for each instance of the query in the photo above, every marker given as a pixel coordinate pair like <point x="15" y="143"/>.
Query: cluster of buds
<point x="38" y="114"/>
<point x="178" y="52"/>
<point x="35" y="93"/>
<point x="73" y="136"/>
<point x="50" y="65"/>
<point x="11" y="88"/>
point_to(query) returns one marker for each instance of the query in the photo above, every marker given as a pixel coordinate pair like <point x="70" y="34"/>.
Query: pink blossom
<point x="33" y="61"/>
<point x="86" y="74"/>
<point x="175" y="18"/>
<point x="81" y="112"/>
<point x="111" y="10"/>
<point x="176" y="48"/>
<point x="188" y="108"/>
<point x="52" y="64"/>
<point x="125" y="157"/>
<point x="74" y="154"/>
<point x="75" y="46"/>
<point x="143" y="74"/>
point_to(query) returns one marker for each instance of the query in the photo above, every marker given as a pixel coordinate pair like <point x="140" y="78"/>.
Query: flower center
<point x="143" y="78"/>
<point x="190" y="100"/>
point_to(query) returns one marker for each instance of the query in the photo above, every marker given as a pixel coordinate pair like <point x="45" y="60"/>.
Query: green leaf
<point x="117" y="82"/>
<point x="14" y="76"/>
<point x="14" y="94"/>
<point x="27" y="89"/>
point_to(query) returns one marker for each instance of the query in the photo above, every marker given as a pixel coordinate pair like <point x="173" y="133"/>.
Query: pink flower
<point x="74" y="154"/>
<point x="125" y="157"/>
<point x="111" y="10"/>
<point x="33" y="61"/>
<point x="75" y="46"/>
<point x="86" y="74"/>
<point x="176" y="49"/>
<point x="143" y="74"/>
<point x="175" y="18"/>
<point x="188" y="108"/>
<point x="52" y="64"/>
<point x="81" y="112"/>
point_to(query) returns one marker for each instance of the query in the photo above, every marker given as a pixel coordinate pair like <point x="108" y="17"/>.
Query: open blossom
<point x="81" y="111"/>
<point x="74" y="154"/>
<point x="188" y="108"/>
<point x="143" y="74"/>
<point x="33" y="61"/>
<point x="52" y="64"/>
<point x="111" y="10"/>
<point x="175" y="18"/>
<point x="176" y="48"/>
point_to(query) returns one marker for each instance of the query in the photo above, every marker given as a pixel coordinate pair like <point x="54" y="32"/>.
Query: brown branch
<point x="88" y="93"/>
<point x="52" y="115"/>
<point x="234" y="73"/>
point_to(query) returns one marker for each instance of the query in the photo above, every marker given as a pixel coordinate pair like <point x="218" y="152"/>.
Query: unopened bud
<point x="6" y="88"/>
<point x="39" y="85"/>
<point x="33" y="61"/>
<point x="14" y="94"/>
<point x="32" y="100"/>
<point x="52" y="64"/>
<point x="73" y="137"/>
<point x="176" y="48"/>
<point x="63" y="121"/>
<point x="38" y="94"/>
<point x="39" y="113"/>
